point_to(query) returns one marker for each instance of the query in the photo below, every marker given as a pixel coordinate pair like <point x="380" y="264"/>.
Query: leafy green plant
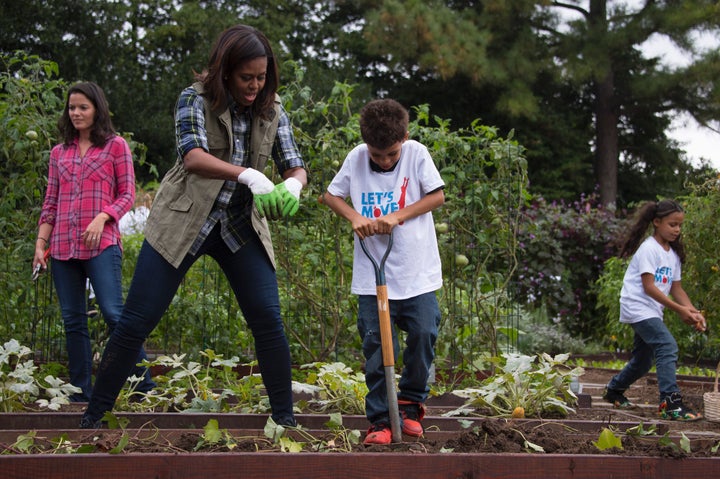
<point x="538" y="384"/>
<point x="618" y="336"/>
<point x="539" y="334"/>
<point x="641" y="431"/>
<point x="212" y="386"/>
<point x="608" y="440"/>
<point x="562" y="249"/>
<point x="19" y="386"/>
<point x="701" y="271"/>
<point x="335" y="387"/>
<point x="214" y="436"/>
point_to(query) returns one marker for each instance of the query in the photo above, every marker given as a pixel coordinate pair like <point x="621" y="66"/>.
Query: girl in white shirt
<point x="651" y="284"/>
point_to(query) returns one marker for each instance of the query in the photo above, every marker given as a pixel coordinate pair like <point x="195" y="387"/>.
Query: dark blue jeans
<point x="155" y="282"/>
<point x="105" y="274"/>
<point x="652" y="340"/>
<point x="419" y="317"/>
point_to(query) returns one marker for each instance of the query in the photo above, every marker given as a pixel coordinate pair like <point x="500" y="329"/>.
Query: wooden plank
<point x="353" y="466"/>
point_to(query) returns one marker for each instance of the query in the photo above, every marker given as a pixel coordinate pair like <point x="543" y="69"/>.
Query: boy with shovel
<point x="393" y="186"/>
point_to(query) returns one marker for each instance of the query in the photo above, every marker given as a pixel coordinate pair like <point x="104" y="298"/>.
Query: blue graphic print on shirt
<point x="377" y="204"/>
<point x="663" y="275"/>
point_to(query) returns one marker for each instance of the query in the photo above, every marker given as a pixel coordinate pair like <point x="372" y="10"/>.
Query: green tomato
<point x="441" y="228"/>
<point x="461" y="260"/>
<point x="31" y="135"/>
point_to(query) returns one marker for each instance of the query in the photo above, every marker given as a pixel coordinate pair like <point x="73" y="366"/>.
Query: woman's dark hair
<point x="102" y="128"/>
<point x="644" y="217"/>
<point x="383" y="123"/>
<point x="235" y="46"/>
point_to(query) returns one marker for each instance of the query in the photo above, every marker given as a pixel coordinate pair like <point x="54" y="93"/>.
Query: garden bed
<point x="167" y="445"/>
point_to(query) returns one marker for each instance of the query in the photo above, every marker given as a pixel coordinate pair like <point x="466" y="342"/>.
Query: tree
<point x="569" y="78"/>
<point x="516" y="58"/>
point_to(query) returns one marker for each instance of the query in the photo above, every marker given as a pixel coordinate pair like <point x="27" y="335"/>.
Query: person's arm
<point x="192" y="147"/>
<point x="49" y="210"/>
<point x="362" y="226"/>
<point x="678" y="301"/>
<point x="428" y="203"/>
<point x="299" y="173"/>
<point x="42" y="242"/>
<point x="696" y="320"/>
<point x="202" y="163"/>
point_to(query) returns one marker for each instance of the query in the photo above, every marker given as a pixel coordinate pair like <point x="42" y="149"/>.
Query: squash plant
<point x="537" y="384"/>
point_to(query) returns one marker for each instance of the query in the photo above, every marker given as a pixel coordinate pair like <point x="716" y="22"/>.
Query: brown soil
<point x="559" y="436"/>
<point x="553" y="435"/>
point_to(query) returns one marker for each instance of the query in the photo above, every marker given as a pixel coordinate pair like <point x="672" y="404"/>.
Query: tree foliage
<point x="552" y="76"/>
<point x="569" y="78"/>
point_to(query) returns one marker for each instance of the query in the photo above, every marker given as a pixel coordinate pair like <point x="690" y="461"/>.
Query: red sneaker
<point x="412" y="413"/>
<point x="378" y="434"/>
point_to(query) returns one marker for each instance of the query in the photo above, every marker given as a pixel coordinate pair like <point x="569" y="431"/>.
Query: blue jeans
<point x="652" y="340"/>
<point x="105" y="274"/>
<point x="154" y="284"/>
<point x="419" y="317"/>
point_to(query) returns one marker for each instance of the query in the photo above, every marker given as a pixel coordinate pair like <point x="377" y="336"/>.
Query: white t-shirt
<point x="413" y="265"/>
<point x="134" y="220"/>
<point x="650" y="257"/>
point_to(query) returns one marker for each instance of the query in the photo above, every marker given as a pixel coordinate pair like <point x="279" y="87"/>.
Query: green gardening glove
<point x="270" y="205"/>
<point x="289" y="191"/>
<point x="267" y="200"/>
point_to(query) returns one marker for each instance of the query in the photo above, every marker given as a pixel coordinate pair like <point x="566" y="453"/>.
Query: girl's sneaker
<point x="672" y="408"/>
<point x="617" y="399"/>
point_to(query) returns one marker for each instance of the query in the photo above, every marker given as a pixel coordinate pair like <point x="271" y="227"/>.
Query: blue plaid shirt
<point x="233" y="205"/>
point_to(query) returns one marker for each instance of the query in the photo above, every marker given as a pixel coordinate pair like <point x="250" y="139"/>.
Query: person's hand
<point x="39" y="263"/>
<point x="700" y="323"/>
<point x="267" y="200"/>
<point x="385" y="224"/>
<point x="93" y="233"/>
<point x="256" y="181"/>
<point x="363" y="227"/>
<point x="270" y="205"/>
<point x="693" y="317"/>
<point x="289" y="191"/>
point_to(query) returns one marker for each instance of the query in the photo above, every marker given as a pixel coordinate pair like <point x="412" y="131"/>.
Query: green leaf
<point x="25" y="441"/>
<point x="608" y="440"/>
<point x="685" y="443"/>
<point x="124" y="440"/>
<point x="212" y="433"/>
<point x="290" y="445"/>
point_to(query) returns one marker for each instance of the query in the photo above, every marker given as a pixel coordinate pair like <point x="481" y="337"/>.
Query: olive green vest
<point x="184" y="200"/>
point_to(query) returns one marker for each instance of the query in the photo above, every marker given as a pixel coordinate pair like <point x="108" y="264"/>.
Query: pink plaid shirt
<point x="80" y="188"/>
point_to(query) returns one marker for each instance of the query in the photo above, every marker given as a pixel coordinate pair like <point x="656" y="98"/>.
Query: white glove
<point x="289" y="192"/>
<point x="258" y="183"/>
<point x="293" y="186"/>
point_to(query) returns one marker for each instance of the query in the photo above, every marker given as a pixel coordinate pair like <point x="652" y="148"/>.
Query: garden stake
<point x="386" y="341"/>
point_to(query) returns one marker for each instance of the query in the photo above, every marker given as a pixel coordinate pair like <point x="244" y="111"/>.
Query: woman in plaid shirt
<point x="91" y="185"/>
<point x="216" y="201"/>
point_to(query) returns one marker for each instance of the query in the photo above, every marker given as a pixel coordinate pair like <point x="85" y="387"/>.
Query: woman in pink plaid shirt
<point x="91" y="185"/>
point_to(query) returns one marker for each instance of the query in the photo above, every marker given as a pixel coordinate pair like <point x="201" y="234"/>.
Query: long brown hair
<point x="235" y="46"/>
<point x="102" y="128"/>
<point x="644" y="217"/>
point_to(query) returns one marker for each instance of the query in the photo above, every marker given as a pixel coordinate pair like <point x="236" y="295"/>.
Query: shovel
<point x="388" y="355"/>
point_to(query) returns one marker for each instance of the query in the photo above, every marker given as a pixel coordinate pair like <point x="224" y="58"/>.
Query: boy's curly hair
<point x="383" y="123"/>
